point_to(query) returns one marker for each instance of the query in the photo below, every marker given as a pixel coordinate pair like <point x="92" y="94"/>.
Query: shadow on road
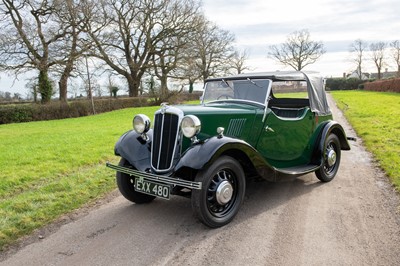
<point x="262" y="197"/>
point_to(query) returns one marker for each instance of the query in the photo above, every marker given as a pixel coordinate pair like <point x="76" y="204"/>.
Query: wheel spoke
<point x="221" y="176"/>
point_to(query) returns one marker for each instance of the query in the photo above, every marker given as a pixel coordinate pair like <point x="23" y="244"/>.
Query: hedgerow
<point x="16" y="113"/>
<point x="388" y="85"/>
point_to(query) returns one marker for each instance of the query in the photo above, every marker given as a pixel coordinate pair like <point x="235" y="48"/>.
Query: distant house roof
<point x="385" y="75"/>
<point x="354" y="74"/>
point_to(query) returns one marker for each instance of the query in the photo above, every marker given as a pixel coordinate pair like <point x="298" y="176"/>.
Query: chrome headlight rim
<point x="141" y="123"/>
<point x="190" y="126"/>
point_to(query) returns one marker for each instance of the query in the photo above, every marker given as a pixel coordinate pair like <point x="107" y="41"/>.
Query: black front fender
<point x="135" y="149"/>
<point x="203" y="154"/>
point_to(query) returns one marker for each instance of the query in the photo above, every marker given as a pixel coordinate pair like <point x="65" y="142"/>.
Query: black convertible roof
<point x="315" y="85"/>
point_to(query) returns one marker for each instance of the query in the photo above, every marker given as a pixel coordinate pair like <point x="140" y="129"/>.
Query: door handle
<point x="268" y="128"/>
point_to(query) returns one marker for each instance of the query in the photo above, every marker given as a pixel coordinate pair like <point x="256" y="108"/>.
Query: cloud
<point x="337" y="23"/>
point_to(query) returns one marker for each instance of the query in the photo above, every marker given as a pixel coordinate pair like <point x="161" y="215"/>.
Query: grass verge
<point x="376" y="118"/>
<point x="49" y="168"/>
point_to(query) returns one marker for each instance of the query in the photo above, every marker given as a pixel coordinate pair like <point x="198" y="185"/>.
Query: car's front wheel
<point x="222" y="193"/>
<point x="126" y="185"/>
<point x="331" y="159"/>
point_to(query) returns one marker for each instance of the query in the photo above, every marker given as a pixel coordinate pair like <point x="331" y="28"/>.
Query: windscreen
<point x="246" y="90"/>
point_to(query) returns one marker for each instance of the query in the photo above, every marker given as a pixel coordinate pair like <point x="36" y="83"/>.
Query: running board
<point x="298" y="170"/>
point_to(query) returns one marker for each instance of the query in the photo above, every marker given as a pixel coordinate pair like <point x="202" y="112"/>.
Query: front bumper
<point x="156" y="178"/>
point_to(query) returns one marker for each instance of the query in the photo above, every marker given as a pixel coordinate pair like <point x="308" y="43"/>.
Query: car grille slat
<point x="166" y="127"/>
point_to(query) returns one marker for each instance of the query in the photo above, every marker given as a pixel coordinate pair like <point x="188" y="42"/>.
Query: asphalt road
<point x="353" y="220"/>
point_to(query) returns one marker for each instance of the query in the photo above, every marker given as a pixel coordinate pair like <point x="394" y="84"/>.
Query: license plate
<point x="151" y="188"/>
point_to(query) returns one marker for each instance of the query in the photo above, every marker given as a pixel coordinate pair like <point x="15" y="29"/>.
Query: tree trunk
<point x="164" y="87"/>
<point x="45" y="88"/>
<point x="190" y="86"/>
<point x="133" y="85"/>
<point x="63" y="85"/>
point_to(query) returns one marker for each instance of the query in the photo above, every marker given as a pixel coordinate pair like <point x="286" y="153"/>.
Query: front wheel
<point x="331" y="159"/>
<point x="222" y="193"/>
<point x="126" y="185"/>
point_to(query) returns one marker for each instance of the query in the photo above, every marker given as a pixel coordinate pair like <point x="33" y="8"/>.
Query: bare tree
<point x="40" y="35"/>
<point x="395" y="47"/>
<point x="238" y="62"/>
<point x="112" y="86"/>
<point x="214" y="49"/>
<point x="357" y="49"/>
<point x="25" y="42"/>
<point x="298" y="51"/>
<point x="69" y="15"/>
<point x="208" y="52"/>
<point x="127" y="34"/>
<point x="378" y="56"/>
<point x="32" y="86"/>
<point x="169" y="52"/>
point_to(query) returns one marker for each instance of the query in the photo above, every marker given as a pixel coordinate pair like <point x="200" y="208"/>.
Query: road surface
<point x="353" y="220"/>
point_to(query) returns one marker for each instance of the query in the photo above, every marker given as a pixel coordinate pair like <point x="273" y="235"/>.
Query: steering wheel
<point x="227" y="96"/>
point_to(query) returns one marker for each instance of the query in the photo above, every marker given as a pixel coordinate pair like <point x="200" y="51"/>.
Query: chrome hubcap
<point x="224" y="192"/>
<point x="331" y="157"/>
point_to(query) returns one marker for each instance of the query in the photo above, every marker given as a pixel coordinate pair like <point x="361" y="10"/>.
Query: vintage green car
<point x="260" y="125"/>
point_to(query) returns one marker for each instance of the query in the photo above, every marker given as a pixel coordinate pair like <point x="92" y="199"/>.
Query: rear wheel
<point x="331" y="157"/>
<point x="126" y="185"/>
<point x="222" y="193"/>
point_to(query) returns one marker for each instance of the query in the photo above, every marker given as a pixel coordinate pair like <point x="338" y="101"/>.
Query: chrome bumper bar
<point x="156" y="178"/>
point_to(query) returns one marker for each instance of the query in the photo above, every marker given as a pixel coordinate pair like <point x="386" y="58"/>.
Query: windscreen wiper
<point x="227" y="84"/>
<point x="255" y="84"/>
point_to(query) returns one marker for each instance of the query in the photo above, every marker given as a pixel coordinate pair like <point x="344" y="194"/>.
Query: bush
<point x="343" y="83"/>
<point x="389" y="85"/>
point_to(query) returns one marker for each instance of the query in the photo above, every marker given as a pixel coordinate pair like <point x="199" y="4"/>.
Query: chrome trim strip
<point x="161" y="140"/>
<point x="269" y="89"/>
<point x="156" y="178"/>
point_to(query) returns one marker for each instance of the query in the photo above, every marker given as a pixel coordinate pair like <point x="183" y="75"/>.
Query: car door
<point x="285" y="140"/>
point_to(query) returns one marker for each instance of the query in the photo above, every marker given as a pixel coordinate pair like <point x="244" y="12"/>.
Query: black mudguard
<point x="328" y="128"/>
<point x="203" y="154"/>
<point x="135" y="149"/>
<point x="335" y="128"/>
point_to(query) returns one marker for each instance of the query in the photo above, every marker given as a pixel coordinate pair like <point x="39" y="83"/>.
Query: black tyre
<point x="331" y="157"/>
<point x="126" y="185"/>
<point x="222" y="193"/>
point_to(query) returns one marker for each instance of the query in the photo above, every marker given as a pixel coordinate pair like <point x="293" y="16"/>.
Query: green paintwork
<point x="291" y="143"/>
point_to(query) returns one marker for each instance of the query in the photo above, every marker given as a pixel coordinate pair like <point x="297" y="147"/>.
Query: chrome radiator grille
<point x="165" y="136"/>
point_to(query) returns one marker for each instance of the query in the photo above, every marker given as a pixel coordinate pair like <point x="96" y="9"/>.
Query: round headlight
<point x="141" y="124"/>
<point x="190" y="126"/>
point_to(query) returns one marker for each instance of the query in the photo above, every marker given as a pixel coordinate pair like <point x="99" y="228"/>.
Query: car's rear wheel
<point x="331" y="159"/>
<point x="222" y="193"/>
<point x="126" y="185"/>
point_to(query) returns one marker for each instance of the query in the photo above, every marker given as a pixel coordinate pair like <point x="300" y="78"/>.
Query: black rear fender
<point x="331" y="127"/>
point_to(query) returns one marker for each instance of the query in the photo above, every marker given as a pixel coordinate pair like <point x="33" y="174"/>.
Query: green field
<point x="51" y="167"/>
<point x="376" y="118"/>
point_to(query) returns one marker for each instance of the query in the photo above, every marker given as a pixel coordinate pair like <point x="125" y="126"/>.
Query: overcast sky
<point x="257" y="24"/>
<point x="260" y="23"/>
